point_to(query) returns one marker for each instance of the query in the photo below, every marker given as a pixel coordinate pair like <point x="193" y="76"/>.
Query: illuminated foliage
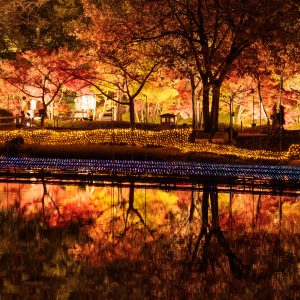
<point x="123" y="66"/>
<point x="42" y="74"/>
<point x="168" y="138"/>
<point x="160" y="95"/>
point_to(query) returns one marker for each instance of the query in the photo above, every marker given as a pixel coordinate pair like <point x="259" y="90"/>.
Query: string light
<point x="151" y="168"/>
<point x="177" y="138"/>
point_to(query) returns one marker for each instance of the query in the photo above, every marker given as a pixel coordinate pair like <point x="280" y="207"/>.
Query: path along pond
<point x="86" y="229"/>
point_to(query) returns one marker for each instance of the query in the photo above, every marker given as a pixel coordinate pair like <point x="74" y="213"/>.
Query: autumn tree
<point x="187" y="73"/>
<point x="41" y="74"/>
<point x="160" y="95"/>
<point x="236" y="99"/>
<point x="270" y="66"/>
<point x="123" y="65"/>
<point x="9" y="97"/>
<point x="214" y="34"/>
<point x="127" y="75"/>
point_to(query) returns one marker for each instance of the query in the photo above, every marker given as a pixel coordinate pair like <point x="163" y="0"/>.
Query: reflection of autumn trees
<point x="45" y="194"/>
<point x="160" y="243"/>
<point x="261" y="257"/>
<point x="34" y="259"/>
<point x="210" y="231"/>
<point x="132" y="209"/>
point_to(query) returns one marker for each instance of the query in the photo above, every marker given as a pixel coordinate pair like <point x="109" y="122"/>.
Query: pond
<point x="144" y="241"/>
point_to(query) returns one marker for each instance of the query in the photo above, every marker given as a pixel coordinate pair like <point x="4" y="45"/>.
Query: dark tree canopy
<point x="32" y="24"/>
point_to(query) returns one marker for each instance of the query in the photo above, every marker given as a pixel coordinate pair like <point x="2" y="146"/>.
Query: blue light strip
<point x="132" y="167"/>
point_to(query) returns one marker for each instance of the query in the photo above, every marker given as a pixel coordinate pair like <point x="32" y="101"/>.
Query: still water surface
<point x="132" y="242"/>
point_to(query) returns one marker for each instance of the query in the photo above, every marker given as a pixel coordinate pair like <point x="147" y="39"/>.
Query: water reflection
<point x="127" y="242"/>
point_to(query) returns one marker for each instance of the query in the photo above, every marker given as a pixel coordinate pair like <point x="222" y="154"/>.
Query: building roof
<point x="167" y="115"/>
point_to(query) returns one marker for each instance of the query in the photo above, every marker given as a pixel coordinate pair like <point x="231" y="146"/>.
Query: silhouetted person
<point x="22" y="117"/>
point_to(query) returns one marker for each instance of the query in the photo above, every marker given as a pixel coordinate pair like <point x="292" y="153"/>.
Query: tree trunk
<point x="261" y="101"/>
<point x="194" y="112"/>
<point x="42" y="121"/>
<point x="43" y="115"/>
<point x="280" y="89"/>
<point x="198" y="108"/>
<point x="131" y="113"/>
<point x="155" y="111"/>
<point x="131" y="196"/>
<point x="238" y="114"/>
<point x="205" y="107"/>
<point x="214" y="208"/>
<point x="118" y="112"/>
<point x="215" y="108"/>
<point x="138" y="117"/>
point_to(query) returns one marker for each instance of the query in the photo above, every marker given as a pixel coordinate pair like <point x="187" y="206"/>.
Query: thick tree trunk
<point x="194" y="111"/>
<point x="280" y="89"/>
<point x="43" y="115"/>
<point x="214" y="208"/>
<point x="131" y="196"/>
<point x="198" y="107"/>
<point x="118" y="112"/>
<point x="215" y="108"/>
<point x="42" y="121"/>
<point x="205" y="107"/>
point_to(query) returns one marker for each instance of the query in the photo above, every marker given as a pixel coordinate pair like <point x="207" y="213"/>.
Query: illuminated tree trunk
<point x="211" y="117"/>
<point x="156" y="110"/>
<point x="238" y="114"/>
<point x="118" y="113"/>
<point x="261" y="101"/>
